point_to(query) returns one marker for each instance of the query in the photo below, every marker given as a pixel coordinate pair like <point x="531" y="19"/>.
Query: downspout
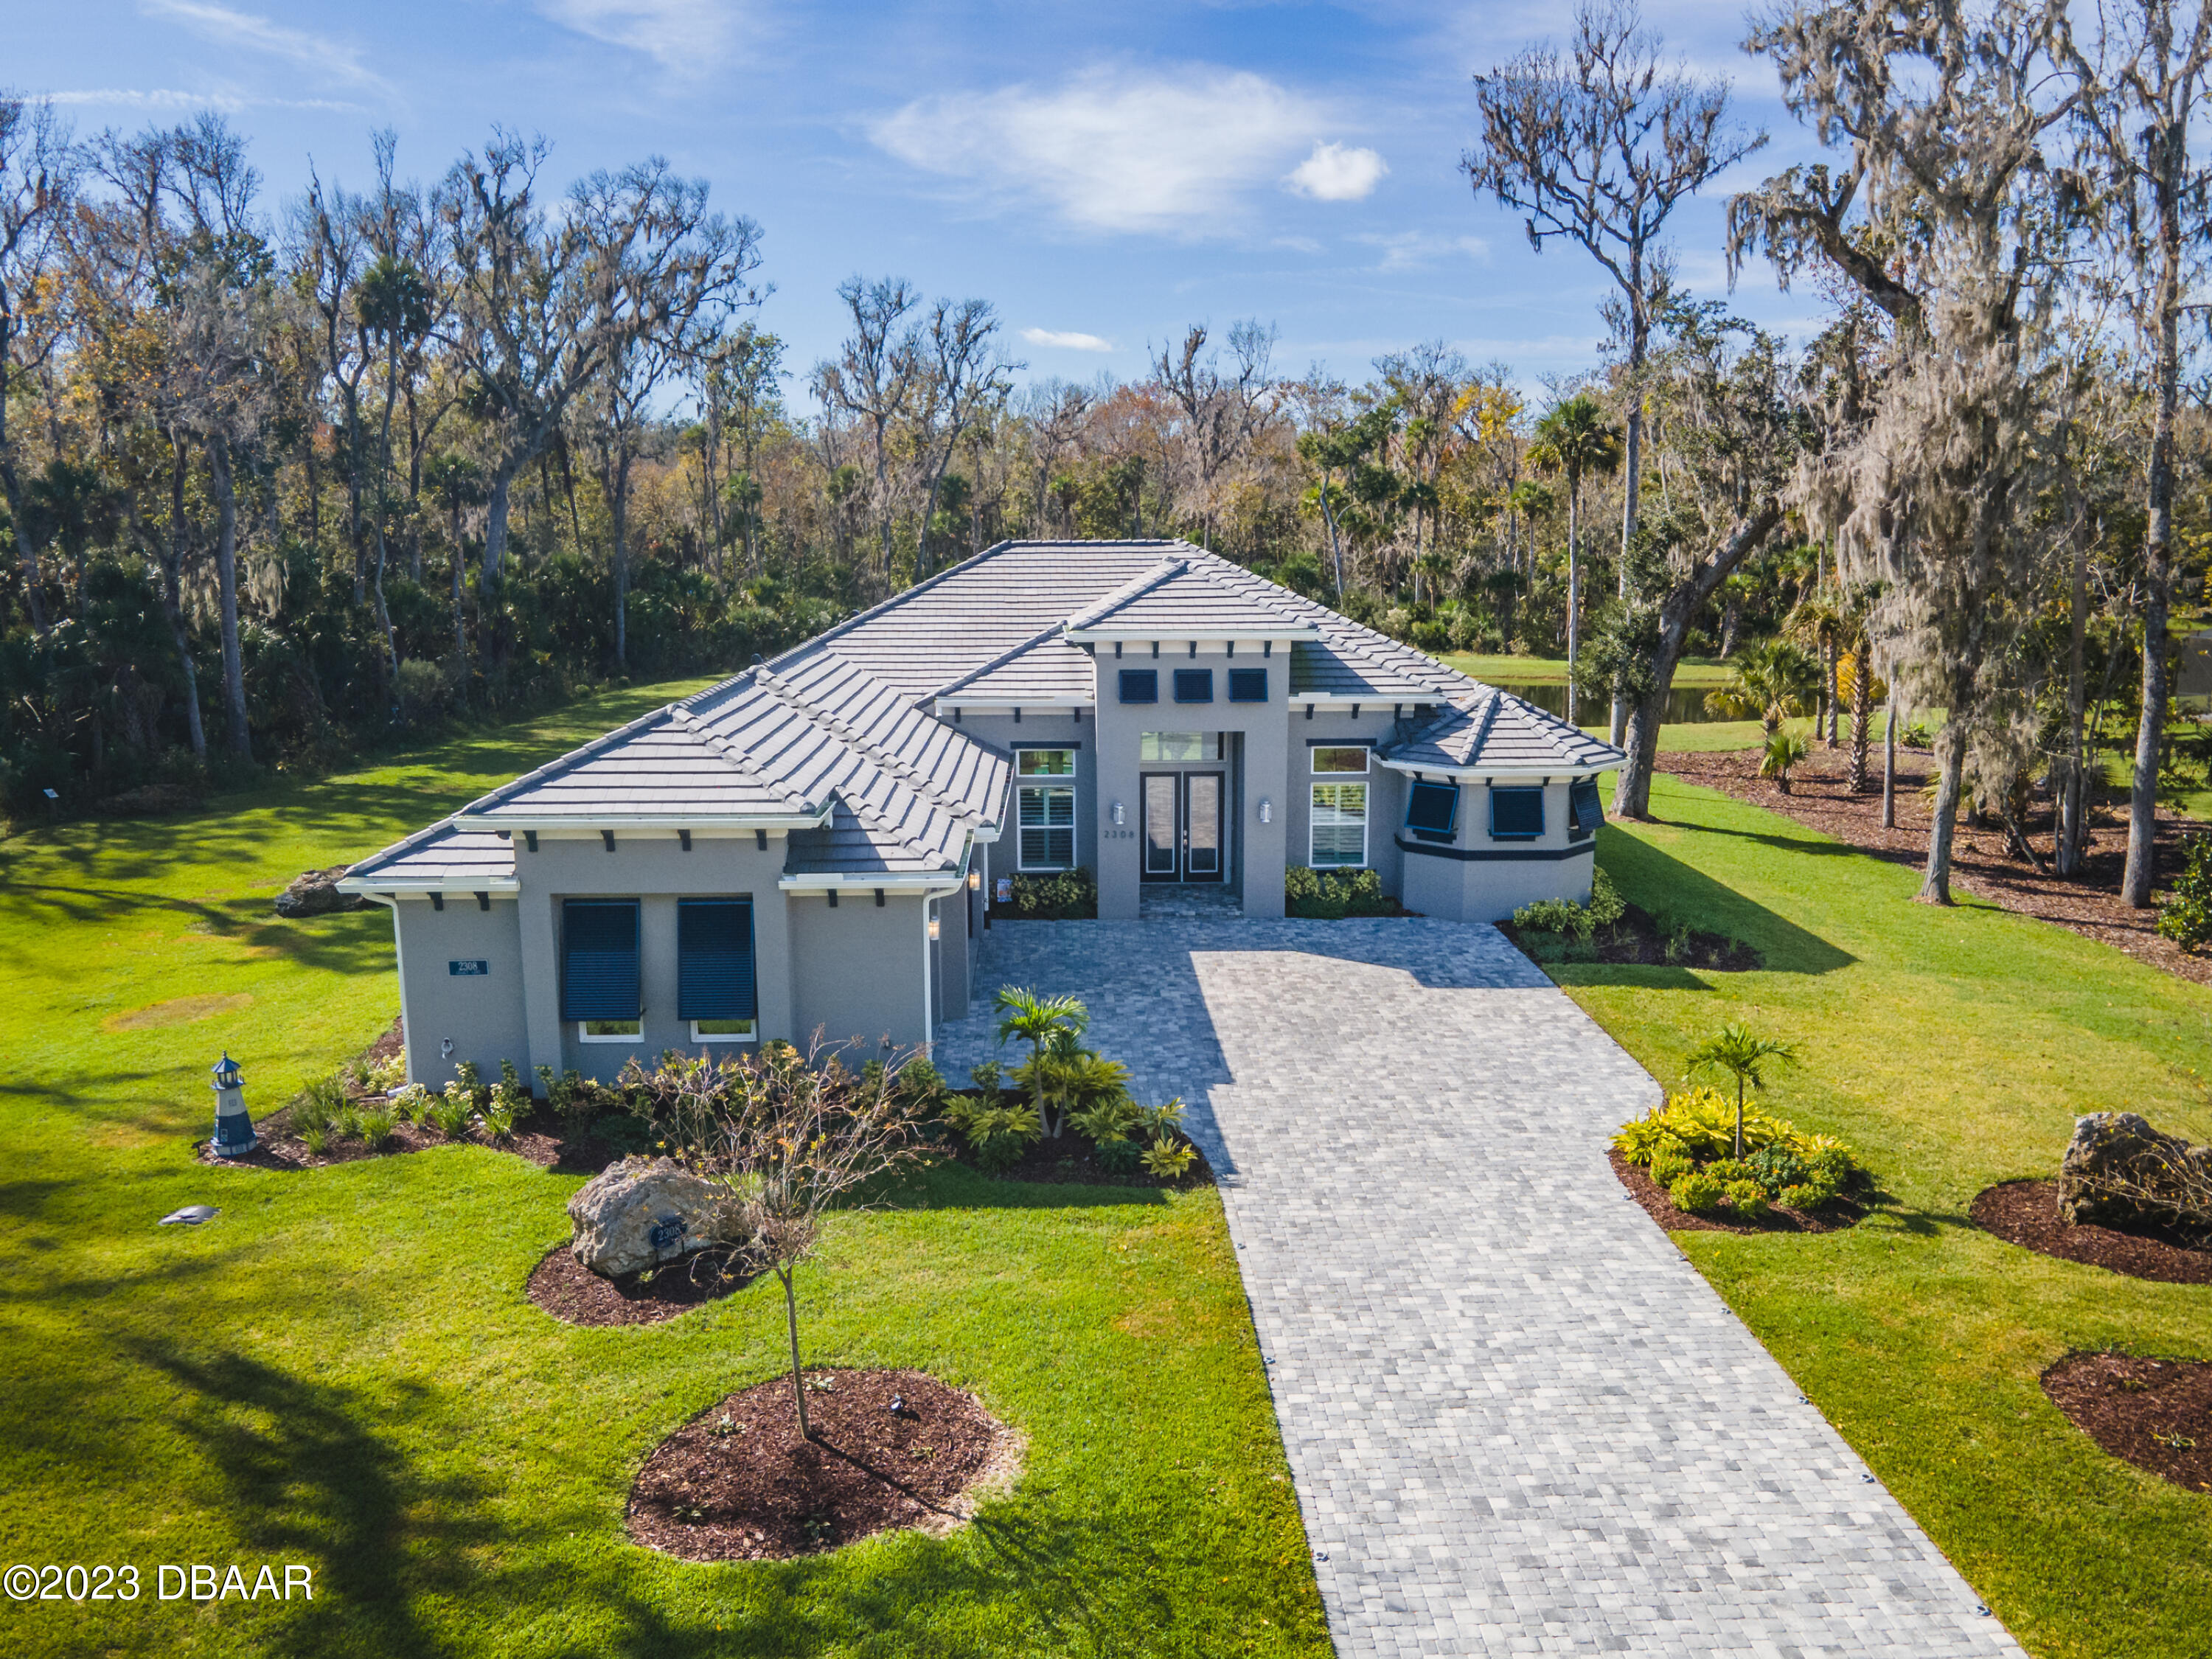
<point x="390" y="902"/>
<point x="929" y="896"/>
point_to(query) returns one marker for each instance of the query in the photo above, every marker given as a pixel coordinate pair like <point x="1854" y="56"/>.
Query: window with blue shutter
<point x="1194" y="685"/>
<point x="1516" y="814"/>
<point x="599" y="960"/>
<point x="714" y="960"/>
<point x="1584" y="814"/>
<point x="1248" y="685"/>
<point x="1141" y="685"/>
<point x="1432" y="811"/>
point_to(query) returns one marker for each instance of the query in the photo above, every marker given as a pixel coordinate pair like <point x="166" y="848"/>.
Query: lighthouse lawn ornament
<point x="233" y="1129"/>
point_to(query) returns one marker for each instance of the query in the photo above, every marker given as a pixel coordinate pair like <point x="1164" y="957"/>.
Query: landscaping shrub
<point x="386" y="1075"/>
<point x="1332" y="895"/>
<point x="1727" y="1169"/>
<point x="1118" y="1156"/>
<point x="1066" y="896"/>
<point x="1169" y="1159"/>
<point x="1748" y="1199"/>
<point x="1803" y="1198"/>
<point x="997" y="1131"/>
<point x="449" y="1113"/>
<point x="374" y="1125"/>
<point x="2186" y="916"/>
<point x="1785" y="752"/>
<point x="1696" y="1192"/>
<point x="1703" y="1121"/>
<point x="1576" y="921"/>
<point x="1775" y="1167"/>
<point x="320" y="1103"/>
<point x="1669" y="1167"/>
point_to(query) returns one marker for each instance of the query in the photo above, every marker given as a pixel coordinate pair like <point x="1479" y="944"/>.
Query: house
<point x="816" y="843"/>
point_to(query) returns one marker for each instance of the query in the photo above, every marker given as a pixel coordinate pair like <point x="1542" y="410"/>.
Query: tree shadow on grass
<point x="1678" y="894"/>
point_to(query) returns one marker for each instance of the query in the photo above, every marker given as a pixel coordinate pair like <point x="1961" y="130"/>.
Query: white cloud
<point x="686" y="36"/>
<point x="238" y="28"/>
<point x="1112" y="148"/>
<point x="1334" y="173"/>
<point x="1065" y="340"/>
<point x="170" y="98"/>
<point x="1418" y="250"/>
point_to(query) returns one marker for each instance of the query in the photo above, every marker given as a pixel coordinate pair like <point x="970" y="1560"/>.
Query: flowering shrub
<point x="1689" y="1139"/>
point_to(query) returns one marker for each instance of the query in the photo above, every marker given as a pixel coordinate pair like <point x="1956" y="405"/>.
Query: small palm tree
<point x="1771" y="683"/>
<point x="1575" y="440"/>
<point x="1038" y="1021"/>
<point x="1740" y="1053"/>
<point x="1785" y="752"/>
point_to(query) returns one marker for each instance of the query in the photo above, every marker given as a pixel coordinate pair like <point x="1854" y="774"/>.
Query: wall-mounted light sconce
<point x="975" y="881"/>
<point x="1115" y="812"/>
<point x="933" y="930"/>
<point x="1267" y="810"/>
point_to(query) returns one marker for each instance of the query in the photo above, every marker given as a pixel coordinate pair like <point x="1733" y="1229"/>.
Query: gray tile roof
<point x="1499" y="734"/>
<point x="440" y="857"/>
<point x="836" y="737"/>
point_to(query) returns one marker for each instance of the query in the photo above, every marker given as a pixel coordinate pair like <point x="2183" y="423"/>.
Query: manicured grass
<point x="342" y="1370"/>
<point x="1954" y="1049"/>
<point x="1552" y="670"/>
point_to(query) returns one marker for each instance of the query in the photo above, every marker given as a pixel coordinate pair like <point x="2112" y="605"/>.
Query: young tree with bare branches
<point x="872" y="380"/>
<point x="39" y="169"/>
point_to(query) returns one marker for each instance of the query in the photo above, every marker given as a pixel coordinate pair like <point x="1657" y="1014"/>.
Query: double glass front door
<point x="1182" y="826"/>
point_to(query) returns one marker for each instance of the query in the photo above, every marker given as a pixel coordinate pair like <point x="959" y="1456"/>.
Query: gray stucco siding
<point x="481" y="1014"/>
<point x="1492" y="877"/>
<point x="1386" y="793"/>
<point x="859" y="969"/>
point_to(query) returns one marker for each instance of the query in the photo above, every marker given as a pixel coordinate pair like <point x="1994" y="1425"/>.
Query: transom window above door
<point x="1045" y="762"/>
<point x="1351" y="758"/>
<point x="1179" y="747"/>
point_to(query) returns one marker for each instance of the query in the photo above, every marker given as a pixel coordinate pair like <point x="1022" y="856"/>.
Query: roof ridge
<point x="739" y="759"/>
<point x="916" y="781"/>
<point x="882" y="605"/>
<point x="1135" y="588"/>
<point x="1334" y="624"/>
<point x="575" y="758"/>
<point x="1051" y="630"/>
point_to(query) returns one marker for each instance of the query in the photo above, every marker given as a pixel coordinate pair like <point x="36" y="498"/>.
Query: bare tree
<point x="1220" y="415"/>
<point x="874" y="375"/>
<point x="39" y="172"/>
<point x="961" y="380"/>
<point x="1055" y="412"/>
<point x="791" y="1137"/>
<point x="1601" y="150"/>
<point x="2143" y="97"/>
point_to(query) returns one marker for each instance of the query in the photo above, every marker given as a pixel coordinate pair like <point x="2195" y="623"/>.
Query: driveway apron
<point x="1519" y="1421"/>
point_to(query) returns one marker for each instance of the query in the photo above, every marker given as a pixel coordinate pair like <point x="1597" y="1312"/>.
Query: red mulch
<point x="574" y="1295"/>
<point x="2025" y="1212"/>
<point x="2153" y="1413"/>
<point x="1983" y="864"/>
<point x="1832" y="1217"/>
<point x="736" y="1483"/>
<point x="1637" y="940"/>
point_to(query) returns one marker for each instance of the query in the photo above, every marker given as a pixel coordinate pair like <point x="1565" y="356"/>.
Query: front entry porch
<point x="1188" y="902"/>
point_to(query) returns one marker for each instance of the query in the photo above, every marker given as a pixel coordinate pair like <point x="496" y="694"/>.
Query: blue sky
<point x="1105" y="174"/>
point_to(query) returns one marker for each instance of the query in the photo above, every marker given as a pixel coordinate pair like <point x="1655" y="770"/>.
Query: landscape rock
<point x="315" y="893"/>
<point x="617" y="1212"/>
<point x="2161" y="1180"/>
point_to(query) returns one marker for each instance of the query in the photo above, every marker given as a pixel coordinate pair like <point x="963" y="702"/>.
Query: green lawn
<point x="342" y="1368"/>
<point x="1954" y="1049"/>
<point x="1552" y="670"/>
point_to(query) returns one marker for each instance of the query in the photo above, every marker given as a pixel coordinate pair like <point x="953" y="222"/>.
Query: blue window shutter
<point x="1516" y="814"/>
<point x="598" y="959"/>
<point x="715" y="959"/>
<point x="1141" y="685"/>
<point x="1248" y="685"/>
<point x="1432" y="811"/>
<point x="1584" y="814"/>
<point x="1194" y="685"/>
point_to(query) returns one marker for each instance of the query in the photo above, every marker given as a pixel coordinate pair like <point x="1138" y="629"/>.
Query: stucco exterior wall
<point x="482" y="1014"/>
<point x="1386" y="790"/>
<point x="859" y="969"/>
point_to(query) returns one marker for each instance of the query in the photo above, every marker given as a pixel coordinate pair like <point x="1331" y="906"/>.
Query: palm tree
<point x="1038" y="1021"/>
<point x="1736" y="1050"/>
<point x="1772" y="682"/>
<point x="1574" y="439"/>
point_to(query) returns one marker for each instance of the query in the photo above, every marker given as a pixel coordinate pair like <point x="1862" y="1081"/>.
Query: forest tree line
<point x="282" y="478"/>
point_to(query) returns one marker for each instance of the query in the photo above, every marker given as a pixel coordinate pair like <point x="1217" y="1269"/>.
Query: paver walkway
<point x="1518" y="1421"/>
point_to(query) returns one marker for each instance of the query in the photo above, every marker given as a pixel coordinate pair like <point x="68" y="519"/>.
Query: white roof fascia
<point x="1498" y="773"/>
<point x="1000" y="699"/>
<point x="906" y="883"/>
<point x="1154" y="631"/>
<point x="367" y="885"/>
<point x="667" y="821"/>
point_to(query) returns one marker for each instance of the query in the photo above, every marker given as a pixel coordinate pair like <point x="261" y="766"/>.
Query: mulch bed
<point x="2153" y="1413"/>
<point x="1068" y="1162"/>
<point x="1832" y="1217"/>
<point x="1637" y="939"/>
<point x="736" y="1483"/>
<point x="1983" y="862"/>
<point x="574" y="1295"/>
<point x="540" y="1140"/>
<point x="2025" y="1212"/>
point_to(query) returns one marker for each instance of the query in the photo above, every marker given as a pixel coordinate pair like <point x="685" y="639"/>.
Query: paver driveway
<point x="1518" y="1419"/>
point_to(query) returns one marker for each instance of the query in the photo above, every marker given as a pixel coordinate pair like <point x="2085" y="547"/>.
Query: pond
<point x="1685" y="704"/>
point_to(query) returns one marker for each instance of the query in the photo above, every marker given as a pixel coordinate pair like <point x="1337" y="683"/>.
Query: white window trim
<point x="753" y="1036"/>
<point x="1066" y="781"/>
<point x="1314" y="753"/>
<point x="1332" y="781"/>
<point x="630" y="1038"/>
